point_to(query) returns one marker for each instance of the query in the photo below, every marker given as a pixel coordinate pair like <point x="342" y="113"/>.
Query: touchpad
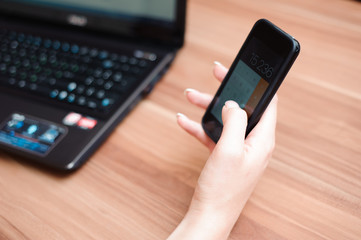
<point x="30" y="134"/>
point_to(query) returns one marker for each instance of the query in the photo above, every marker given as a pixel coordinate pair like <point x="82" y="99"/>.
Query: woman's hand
<point x="201" y="100"/>
<point x="232" y="170"/>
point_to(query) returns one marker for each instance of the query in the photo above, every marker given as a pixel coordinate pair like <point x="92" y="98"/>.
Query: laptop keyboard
<point x="90" y="78"/>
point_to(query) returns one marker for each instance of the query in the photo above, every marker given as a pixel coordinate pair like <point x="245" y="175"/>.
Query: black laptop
<point x="70" y="71"/>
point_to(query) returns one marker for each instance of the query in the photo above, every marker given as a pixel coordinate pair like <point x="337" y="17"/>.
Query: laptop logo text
<point x="77" y="20"/>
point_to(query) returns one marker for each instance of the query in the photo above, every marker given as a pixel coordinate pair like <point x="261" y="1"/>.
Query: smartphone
<point x="254" y="77"/>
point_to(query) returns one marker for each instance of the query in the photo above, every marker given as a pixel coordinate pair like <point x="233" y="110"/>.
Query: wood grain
<point x="138" y="185"/>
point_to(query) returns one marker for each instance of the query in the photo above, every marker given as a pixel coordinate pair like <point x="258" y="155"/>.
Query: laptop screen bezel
<point x="171" y="34"/>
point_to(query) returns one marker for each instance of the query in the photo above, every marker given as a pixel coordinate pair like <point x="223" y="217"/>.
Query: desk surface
<point x="139" y="183"/>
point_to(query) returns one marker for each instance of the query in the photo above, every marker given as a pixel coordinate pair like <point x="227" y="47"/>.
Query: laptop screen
<point x="157" y="10"/>
<point x="156" y="19"/>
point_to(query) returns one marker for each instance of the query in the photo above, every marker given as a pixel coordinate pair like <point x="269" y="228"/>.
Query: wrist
<point x="204" y="224"/>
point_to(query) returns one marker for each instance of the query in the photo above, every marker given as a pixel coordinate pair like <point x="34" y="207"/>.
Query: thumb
<point x="234" y="125"/>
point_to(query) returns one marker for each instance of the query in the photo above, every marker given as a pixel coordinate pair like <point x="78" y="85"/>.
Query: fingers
<point x="197" y="98"/>
<point x="219" y="71"/>
<point x="203" y="99"/>
<point x="194" y="129"/>
<point x="234" y="126"/>
<point x="263" y="134"/>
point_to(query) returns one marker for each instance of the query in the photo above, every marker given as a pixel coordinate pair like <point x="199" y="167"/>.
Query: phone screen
<point x="250" y="78"/>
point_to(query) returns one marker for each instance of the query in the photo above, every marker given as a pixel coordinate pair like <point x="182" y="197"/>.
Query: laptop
<point x="71" y="70"/>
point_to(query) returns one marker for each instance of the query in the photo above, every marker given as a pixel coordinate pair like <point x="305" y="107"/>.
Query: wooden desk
<point x="140" y="182"/>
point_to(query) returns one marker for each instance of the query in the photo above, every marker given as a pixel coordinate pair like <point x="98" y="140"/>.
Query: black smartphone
<point x="254" y="77"/>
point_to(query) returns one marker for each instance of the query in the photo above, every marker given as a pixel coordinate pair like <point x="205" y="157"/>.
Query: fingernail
<point x="179" y="115"/>
<point x="231" y="104"/>
<point x="188" y="90"/>
<point x="217" y="63"/>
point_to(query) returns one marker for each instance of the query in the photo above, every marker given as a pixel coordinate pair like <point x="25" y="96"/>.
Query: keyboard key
<point x="22" y="84"/>
<point x="12" y="81"/>
<point x="68" y="75"/>
<point x="99" y="82"/>
<point x="108" y="85"/>
<point x="33" y="86"/>
<point x="47" y="43"/>
<point x="100" y="94"/>
<point x="89" y="92"/>
<point x="103" y="55"/>
<point x="107" y="102"/>
<point x="108" y="64"/>
<point x="143" y="63"/>
<point x="123" y="59"/>
<point x="37" y="41"/>
<point x="81" y="101"/>
<point x="75" y="49"/>
<point x="33" y="78"/>
<point x="56" y="45"/>
<point x="114" y="57"/>
<point x="66" y="72"/>
<point x="133" y="61"/>
<point x="92" y="104"/>
<point x="54" y="93"/>
<point x="74" y="68"/>
<point x="93" y="53"/>
<point x="7" y="59"/>
<point x="52" y="81"/>
<point x="107" y="74"/>
<point x="117" y="77"/>
<point x="98" y="72"/>
<point x="65" y="47"/>
<point x="62" y="95"/>
<point x="71" y="98"/>
<point x="3" y="67"/>
<point x="12" y="70"/>
<point x="84" y="51"/>
<point x="152" y="57"/>
<point x="14" y="44"/>
<point x="80" y="89"/>
<point x="89" y="80"/>
<point x="72" y="86"/>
